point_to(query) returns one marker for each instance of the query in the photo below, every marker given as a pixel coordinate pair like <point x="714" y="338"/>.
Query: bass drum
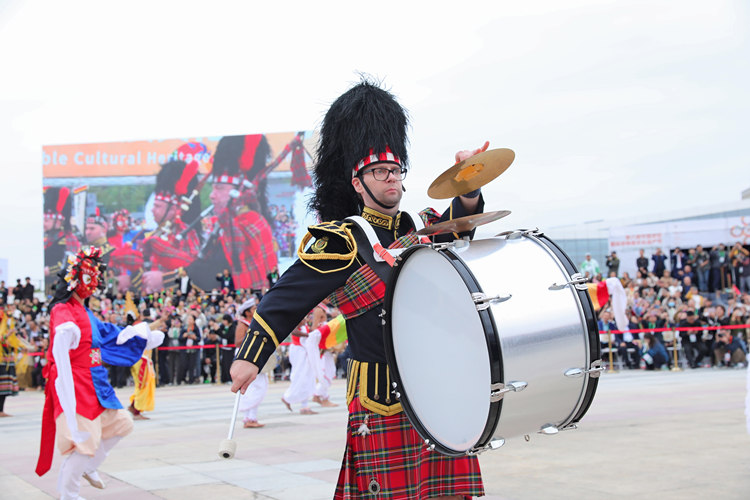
<point x="490" y="339"/>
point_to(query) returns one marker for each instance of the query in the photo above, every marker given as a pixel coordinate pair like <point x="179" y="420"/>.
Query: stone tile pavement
<point x="648" y="435"/>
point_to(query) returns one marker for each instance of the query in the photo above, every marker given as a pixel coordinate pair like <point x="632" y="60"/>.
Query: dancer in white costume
<point x="304" y="356"/>
<point x="254" y="395"/>
<point x="328" y="369"/>
<point x="326" y="364"/>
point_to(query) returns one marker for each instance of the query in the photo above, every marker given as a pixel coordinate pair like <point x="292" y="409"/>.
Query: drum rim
<point x="587" y="308"/>
<point x="487" y="320"/>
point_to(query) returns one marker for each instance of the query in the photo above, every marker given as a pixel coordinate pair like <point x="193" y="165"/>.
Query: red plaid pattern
<point x="125" y="259"/>
<point x="250" y="236"/>
<point x="364" y="289"/>
<point x="72" y="244"/>
<point x="394" y="457"/>
<point x="173" y="253"/>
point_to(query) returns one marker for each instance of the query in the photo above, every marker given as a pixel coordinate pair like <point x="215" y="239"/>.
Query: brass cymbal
<point x="472" y="173"/>
<point x="463" y="224"/>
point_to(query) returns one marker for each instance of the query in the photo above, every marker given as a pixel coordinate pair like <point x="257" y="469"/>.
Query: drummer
<point x="362" y="161"/>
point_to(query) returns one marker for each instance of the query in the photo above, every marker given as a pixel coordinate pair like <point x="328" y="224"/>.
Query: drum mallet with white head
<point x="228" y="446"/>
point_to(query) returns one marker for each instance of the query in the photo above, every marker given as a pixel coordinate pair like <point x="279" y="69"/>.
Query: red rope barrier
<point x="677" y="329"/>
<point x="601" y="332"/>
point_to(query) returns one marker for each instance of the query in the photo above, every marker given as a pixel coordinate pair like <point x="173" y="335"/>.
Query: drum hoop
<point x="487" y="321"/>
<point x="586" y="309"/>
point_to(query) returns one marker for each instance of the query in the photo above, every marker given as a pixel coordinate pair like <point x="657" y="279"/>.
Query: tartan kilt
<point x="394" y="459"/>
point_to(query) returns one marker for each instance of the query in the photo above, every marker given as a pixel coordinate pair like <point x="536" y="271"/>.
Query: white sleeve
<point x="310" y="343"/>
<point x="140" y="330"/>
<point x="155" y="338"/>
<point x="67" y="337"/>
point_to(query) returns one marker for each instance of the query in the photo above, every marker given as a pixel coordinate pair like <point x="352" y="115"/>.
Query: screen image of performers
<point x="176" y="241"/>
<point x="126" y="259"/>
<point x="241" y="239"/>
<point x="59" y="240"/>
<point x="361" y="162"/>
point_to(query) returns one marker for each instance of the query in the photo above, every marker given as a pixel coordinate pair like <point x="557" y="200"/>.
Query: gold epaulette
<point x="334" y="241"/>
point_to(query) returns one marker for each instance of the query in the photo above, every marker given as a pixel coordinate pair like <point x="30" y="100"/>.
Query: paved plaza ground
<point x="648" y="435"/>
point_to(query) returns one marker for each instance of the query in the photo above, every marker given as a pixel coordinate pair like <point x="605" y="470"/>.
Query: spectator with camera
<point x="613" y="265"/>
<point x="728" y="350"/>
<point x="654" y="355"/>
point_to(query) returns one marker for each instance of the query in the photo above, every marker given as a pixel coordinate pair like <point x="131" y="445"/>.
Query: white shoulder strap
<point x="379" y="252"/>
<point x="415" y="219"/>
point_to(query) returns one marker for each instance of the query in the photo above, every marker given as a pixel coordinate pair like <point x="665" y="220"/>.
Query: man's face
<point x="163" y="211"/>
<point x="388" y="191"/>
<point x="50" y="224"/>
<point x="220" y="196"/>
<point x="95" y="232"/>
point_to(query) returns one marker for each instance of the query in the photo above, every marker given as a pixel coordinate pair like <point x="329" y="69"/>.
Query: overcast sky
<point x="612" y="108"/>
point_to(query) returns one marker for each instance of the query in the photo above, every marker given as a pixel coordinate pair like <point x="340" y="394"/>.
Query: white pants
<point x="304" y="368"/>
<point x="253" y="396"/>
<point x="75" y="464"/>
<point x="328" y="366"/>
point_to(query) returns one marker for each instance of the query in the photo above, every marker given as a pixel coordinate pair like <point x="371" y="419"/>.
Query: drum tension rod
<point x="492" y="445"/>
<point x="497" y="391"/>
<point x="594" y="371"/>
<point x="483" y="302"/>
<point x="577" y="279"/>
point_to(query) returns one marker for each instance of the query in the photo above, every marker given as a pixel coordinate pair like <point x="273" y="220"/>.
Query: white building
<point x="708" y="226"/>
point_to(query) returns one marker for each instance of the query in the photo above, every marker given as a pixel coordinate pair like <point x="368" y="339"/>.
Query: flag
<point x="334" y="333"/>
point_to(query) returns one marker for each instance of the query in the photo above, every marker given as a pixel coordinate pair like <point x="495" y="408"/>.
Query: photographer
<point x="613" y="265"/>
<point x="728" y="350"/>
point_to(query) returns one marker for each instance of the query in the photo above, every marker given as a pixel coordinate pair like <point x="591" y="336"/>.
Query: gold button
<point x="375" y="397"/>
<point x="265" y="339"/>
<point x="256" y="332"/>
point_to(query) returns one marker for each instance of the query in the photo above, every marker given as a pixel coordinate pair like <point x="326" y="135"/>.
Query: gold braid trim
<point x="343" y="232"/>
<point x="267" y="328"/>
<point x="380" y="409"/>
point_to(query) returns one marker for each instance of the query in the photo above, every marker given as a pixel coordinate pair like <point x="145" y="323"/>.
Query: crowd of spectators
<point x="192" y="319"/>
<point x="691" y="288"/>
<point x="687" y="288"/>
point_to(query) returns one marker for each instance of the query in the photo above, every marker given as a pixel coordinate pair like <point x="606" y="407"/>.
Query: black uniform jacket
<point x="325" y="267"/>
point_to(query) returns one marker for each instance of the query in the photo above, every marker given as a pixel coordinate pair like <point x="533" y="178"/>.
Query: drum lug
<point x="483" y="302"/>
<point x="548" y="429"/>
<point x="497" y="391"/>
<point x="594" y="371"/>
<point x="577" y="279"/>
<point x="492" y="445"/>
<point x="518" y="233"/>
<point x="462" y="243"/>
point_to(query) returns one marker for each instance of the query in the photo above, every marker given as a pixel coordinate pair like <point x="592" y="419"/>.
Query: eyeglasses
<point x="381" y="173"/>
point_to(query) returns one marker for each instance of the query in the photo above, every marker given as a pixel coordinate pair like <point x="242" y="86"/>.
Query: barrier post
<point x="155" y="356"/>
<point x="609" y="342"/>
<point x="218" y="364"/>
<point x="675" y="365"/>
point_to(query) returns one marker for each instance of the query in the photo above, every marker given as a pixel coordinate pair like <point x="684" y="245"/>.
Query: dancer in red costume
<point x="81" y="411"/>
